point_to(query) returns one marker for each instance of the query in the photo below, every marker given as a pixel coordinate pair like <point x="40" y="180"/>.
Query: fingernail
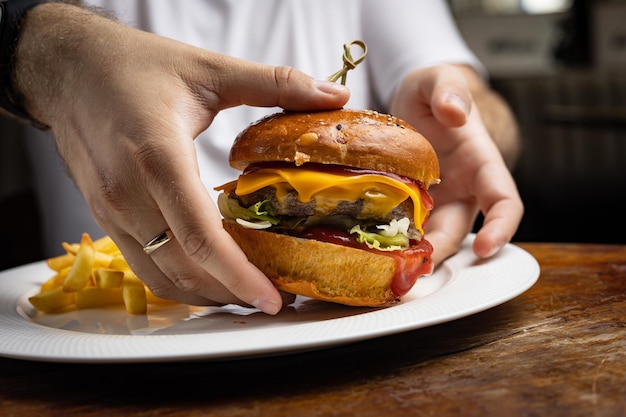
<point x="495" y="249"/>
<point x="457" y="102"/>
<point x="330" y="87"/>
<point x="267" y="306"/>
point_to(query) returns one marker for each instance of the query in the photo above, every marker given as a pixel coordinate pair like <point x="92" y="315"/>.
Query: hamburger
<point x="332" y="204"/>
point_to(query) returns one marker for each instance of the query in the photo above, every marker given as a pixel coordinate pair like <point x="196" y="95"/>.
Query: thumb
<point x="245" y="82"/>
<point x="451" y="100"/>
<point x="450" y="107"/>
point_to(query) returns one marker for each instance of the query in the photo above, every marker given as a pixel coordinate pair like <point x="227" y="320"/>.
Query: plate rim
<point x="143" y="346"/>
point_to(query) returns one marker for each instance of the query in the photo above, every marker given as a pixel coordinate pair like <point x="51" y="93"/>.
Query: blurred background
<point x="561" y="65"/>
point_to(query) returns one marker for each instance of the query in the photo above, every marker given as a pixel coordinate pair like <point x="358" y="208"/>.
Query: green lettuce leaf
<point x="382" y="239"/>
<point x="231" y="209"/>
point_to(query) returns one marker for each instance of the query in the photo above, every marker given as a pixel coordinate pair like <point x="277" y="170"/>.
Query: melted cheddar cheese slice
<point x="379" y="193"/>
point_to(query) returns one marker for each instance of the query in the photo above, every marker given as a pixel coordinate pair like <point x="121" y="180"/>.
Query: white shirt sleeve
<point x="308" y="34"/>
<point x="406" y="34"/>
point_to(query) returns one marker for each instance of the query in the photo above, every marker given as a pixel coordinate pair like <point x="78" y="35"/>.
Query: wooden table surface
<point x="559" y="349"/>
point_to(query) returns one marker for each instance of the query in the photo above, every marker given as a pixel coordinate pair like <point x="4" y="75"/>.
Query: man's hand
<point x="125" y="106"/>
<point x="442" y="103"/>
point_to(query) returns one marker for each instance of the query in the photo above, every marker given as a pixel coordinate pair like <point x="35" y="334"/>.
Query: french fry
<point x="118" y="262"/>
<point x="56" y="280"/>
<point x="106" y="245"/>
<point x="92" y="274"/>
<point x="80" y="273"/>
<point x="134" y="292"/>
<point x="60" y="262"/>
<point x="108" y="278"/>
<point x="71" y="248"/>
<point x="92" y="297"/>
<point x="52" y="300"/>
<point x="102" y="260"/>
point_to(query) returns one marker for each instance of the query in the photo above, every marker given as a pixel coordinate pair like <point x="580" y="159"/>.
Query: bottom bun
<point x="319" y="270"/>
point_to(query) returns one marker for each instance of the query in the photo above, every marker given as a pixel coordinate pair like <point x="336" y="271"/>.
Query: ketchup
<point x="412" y="262"/>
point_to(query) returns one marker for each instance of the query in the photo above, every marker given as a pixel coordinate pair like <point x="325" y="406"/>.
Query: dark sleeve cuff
<point x="13" y="12"/>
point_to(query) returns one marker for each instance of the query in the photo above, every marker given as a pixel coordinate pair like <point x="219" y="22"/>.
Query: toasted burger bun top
<point x="357" y="138"/>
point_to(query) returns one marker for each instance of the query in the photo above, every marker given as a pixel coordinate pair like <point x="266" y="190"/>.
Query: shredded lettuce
<point x="257" y="213"/>
<point x="392" y="236"/>
<point x="386" y="237"/>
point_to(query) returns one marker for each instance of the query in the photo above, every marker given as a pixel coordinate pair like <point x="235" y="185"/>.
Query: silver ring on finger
<point x="158" y="241"/>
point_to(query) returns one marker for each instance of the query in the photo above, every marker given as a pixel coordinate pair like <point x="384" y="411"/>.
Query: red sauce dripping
<point x="411" y="263"/>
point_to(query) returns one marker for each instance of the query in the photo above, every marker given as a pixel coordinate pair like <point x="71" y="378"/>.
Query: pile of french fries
<point x="92" y="274"/>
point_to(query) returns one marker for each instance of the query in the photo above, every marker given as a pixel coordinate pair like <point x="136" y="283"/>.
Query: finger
<point x="168" y="271"/>
<point x="447" y="227"/>
<point x="217" y="273"/>
<point x="160" y="285"/>
<point x="451" y="100"/>
<point x="503" y="210"/>
<point x="267" y="86"/>
<point x="441" y="92"/>
<point x="181" y="274"/>
<point x="498" y="228"/>
<point x="197" y="226"/>
<point x="171" y="272"/>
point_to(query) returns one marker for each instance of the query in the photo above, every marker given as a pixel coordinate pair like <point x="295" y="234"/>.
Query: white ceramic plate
<point x="460" y="287"/>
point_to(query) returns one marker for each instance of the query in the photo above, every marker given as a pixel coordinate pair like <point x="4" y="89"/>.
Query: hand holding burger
<point x="332" y="204"/>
